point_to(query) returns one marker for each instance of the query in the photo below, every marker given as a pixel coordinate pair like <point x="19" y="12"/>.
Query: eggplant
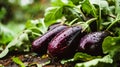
<point x="92" y="43"/>
<point x="40" y="45"/>
<point x="65" y="43"/>
<point x="54" y="25"/>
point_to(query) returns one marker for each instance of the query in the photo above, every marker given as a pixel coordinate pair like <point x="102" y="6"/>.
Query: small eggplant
<point x="40" y="45"/>
<point x="65" y="43"/>
<point x="53" y="26"/>
<point x="92" y="43"/>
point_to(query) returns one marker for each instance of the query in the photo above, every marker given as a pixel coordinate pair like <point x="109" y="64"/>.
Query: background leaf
<point x="53" y="13"/>
<point x="62" y="3"/>
<point x="103" y="62"/>
<point x="84" y="57"/>
<point x="88" y="8"/>
<point x="6" y="35"/>
<point x="110" y="44"/>
<point x="37" y="26"/>
<point x="21" y="43"/>
<point x="117" y="8"/>
<point x="18" y="61"/>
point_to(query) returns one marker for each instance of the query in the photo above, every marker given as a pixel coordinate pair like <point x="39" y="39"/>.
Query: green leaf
<point x="18" y="61"/>
<point x="110" y="44"/>
<point x="88" y="8"/>
<point x="15" y="27"/>
<point x="84" y="57"/>
<point x="101" y="3"/>
<point x="117" y="8"/>
<point x="52" y="14"/>
<point x="6" y="35"/>
<point x="76" y="2"/>
<point x="62" y="3"/>
<point x="68" y="60"/>
<point x="103" y="6"/>
<point x="56" y="12"/>
<point x="4" y="52"/>
<point x="101" y="62"/>
<point x="71" y="13"/>
<point x="37" y="26"/>
<point x="117" y="11"/>
<point x="21" y="43"/>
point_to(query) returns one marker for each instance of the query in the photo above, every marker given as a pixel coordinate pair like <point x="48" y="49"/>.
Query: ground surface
<point x="30" y="60"/>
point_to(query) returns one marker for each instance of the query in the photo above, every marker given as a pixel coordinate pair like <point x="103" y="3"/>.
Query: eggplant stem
<point x="91" y="20"/>
<point x="84" y="17"/>
<point x="112" y="24"/>
<point x="73" y="21"/>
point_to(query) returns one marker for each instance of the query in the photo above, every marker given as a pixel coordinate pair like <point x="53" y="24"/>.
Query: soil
<point x="30" y="60"/>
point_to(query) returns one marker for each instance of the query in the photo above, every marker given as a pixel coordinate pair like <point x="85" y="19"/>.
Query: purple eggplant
<point x="52" y="26"/>
<point x="40" y="45"/>
<point x="92" y="43"/>
<point x="65" y="43"/>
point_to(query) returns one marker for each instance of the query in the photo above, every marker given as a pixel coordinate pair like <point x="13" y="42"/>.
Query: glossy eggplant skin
<point x="40" y="45"/>
<point x="92" y="43"/>
<point x="53" y="26"/>
<point x="64" y="44"/>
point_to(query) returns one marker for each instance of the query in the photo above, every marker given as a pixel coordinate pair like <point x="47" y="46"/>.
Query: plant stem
<point x="88" y="23"/>
<point x="73" y="21"/>
<point x="36" y="34"/>
<point x="91" y="20"/>
<point x="32" y="28"/>
<point x="112" y="24"/>
<point x="43" y="24"/>
<point x="84" y="17"/>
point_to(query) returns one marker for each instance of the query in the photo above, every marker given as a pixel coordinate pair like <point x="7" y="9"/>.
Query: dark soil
<point x="30" y="60"/>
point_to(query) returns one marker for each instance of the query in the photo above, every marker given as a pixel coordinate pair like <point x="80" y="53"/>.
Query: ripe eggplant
<point x="53" y="26"/>
<point x="92" y="43"/>
<point x="40" y="45"/>
<point x="65" y="43"/>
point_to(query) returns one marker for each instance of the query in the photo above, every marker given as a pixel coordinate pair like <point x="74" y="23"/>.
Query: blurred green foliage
<point x="15" y="13"/>
<point x="19" y="11"/>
